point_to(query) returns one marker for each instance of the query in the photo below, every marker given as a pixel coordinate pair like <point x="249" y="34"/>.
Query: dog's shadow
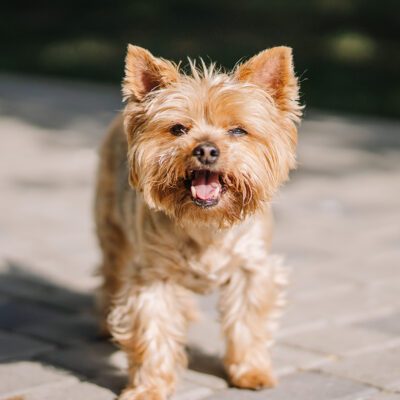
<point x="62" y="324"/>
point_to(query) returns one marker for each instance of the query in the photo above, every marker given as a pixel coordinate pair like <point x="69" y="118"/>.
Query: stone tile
<point x="14" y="315"/>
<point x="14" y="346"/>
<point x="385" y="396"/>
<point x="210" y="364"/>
<point x="389" y="324"/>
<point x="64" y="330"/>
<point x="341" y="340"/>
<point x="343" y="307"/>
<point x="19" y="282"/>
<point x="307" y="282"/>
<point x="111" y="379"/>
<point x="88" y="360"/>
<point x="81" y="390"/>
<point x="188" y="390"/>
<point x="205" y="335"/>
<point x="209" y="304"/>
<point x="201" y="379"/>
<point x="305" y="385"/>
<point x="287" y="359"/>
<point x="19" y="377"/>
<point x="380" y="369"/>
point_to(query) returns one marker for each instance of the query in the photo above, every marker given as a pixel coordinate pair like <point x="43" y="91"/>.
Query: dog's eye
<point x="237" y="131"/>
<point x="179" y="129"/>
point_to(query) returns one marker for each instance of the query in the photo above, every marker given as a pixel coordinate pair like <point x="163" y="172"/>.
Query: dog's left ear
<point x="273" y="71"/>
<point x="144" y="73"/>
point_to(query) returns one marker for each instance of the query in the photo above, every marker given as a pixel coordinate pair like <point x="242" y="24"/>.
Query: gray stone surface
<point x="88" y="360"/>
<point x="190" y="391"/>
<point x="64" y="330"/>
<point x="336" y="223"/>
<point x="289" y="359"/>
<point x="206" y="380"/>
<point x="386" y="396"/>
<point x="305" y="385"/>
<point x="71" y="391"/>
<point x="380" y="369"/>
<point x="16" y="314"/>
<point x="14" y="346"/>
<point x="342" y="340"/>
<point x="21" y="377"/>
<point x="389" y="325"/>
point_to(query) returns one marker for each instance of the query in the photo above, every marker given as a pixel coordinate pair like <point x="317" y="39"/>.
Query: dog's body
<point x="198" y="215"/>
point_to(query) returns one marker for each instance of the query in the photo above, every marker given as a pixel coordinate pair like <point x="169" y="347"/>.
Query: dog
<point x="187" y="173"/>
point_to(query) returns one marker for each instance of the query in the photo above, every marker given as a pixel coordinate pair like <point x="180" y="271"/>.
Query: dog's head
<point x="210" y="147"/>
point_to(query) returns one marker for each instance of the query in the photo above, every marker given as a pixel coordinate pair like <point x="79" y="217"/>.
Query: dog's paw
<point x="254" y="379"/>
<point x="140" y="393"/>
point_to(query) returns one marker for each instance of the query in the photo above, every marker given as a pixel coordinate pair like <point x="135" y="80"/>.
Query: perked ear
<point x="144" y="73"/>
<point x="273" y="71"/>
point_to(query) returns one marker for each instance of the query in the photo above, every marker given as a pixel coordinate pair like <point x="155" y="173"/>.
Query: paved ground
<point x="338" y="222"/>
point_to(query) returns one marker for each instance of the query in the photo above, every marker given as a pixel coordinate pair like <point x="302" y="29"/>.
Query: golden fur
<point x="158" y="245"/>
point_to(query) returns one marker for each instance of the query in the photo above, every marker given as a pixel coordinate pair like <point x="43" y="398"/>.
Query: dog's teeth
<point x="193" y="190"/>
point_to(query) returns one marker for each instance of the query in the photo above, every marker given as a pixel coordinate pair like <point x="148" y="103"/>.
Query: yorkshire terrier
<point x="184" y="186"/>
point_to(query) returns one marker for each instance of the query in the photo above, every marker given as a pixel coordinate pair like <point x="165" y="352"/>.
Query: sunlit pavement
<point x="337" y="223"/>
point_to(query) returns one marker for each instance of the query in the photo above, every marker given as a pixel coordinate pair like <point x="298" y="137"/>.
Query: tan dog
<point x="203" y="153"/>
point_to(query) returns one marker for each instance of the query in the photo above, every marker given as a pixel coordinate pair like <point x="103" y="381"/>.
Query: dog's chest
<point x="206" y="265"/>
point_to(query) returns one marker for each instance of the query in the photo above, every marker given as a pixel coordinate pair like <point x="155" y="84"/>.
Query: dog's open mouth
<point x="205" y="187"/>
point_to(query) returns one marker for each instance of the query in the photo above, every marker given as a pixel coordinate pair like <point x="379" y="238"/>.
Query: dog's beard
<point x="203" y="196"/>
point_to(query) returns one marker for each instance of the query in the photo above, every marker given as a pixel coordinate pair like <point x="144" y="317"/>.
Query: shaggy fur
<point x="159" y="244"/>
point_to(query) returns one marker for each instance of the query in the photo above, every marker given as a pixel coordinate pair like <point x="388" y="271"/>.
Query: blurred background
<point x="346" y="51"/>
<point x="337" y="220"/>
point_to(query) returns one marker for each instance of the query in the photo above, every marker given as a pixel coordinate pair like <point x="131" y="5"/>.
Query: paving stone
<point x="111" y="379"/>
<point x="341" y="340"/>
<point x="64" y="330"/>
<point x="188" y="390"/>
<point x="306" y="282"/>
<point x="305" y="385"/>
<point x="340" y="307"/>
<point x="380" y="369"/>
<point x="205" y="335"/>
<point x="385" y="396"/>
<point x="14" y="346"/>
<point x="288" y="359"/>
<point x="88" y="360"/>
<point x="202" y="379"/>
<point x="14" y="315"/>
<point x="210" y="364"/>
<point x="389" y="324"/>
<point x="18" y="281"/>
<point x="20" y="377"/>
<point x="72" y="391"/>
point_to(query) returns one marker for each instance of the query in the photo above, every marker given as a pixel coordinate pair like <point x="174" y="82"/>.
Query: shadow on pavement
<point x="64" y="320"/>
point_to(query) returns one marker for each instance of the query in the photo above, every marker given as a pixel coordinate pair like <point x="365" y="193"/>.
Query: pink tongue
<point x="205" y="184"/>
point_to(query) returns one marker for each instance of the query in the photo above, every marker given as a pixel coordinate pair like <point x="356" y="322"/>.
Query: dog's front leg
<point x="149" y="322"/>
<point x="249" y="304"/>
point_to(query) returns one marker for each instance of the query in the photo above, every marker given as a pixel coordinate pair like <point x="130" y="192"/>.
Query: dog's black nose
<point x="206" y="153"/>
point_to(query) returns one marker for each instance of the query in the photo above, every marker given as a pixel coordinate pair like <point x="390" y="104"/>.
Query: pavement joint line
<point x="336" y="321"/>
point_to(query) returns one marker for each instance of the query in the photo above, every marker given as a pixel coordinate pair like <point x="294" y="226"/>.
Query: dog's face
<point x="210" y="148"/>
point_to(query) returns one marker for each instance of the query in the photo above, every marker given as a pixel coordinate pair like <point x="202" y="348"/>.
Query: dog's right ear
<point x="144" y="73"/>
